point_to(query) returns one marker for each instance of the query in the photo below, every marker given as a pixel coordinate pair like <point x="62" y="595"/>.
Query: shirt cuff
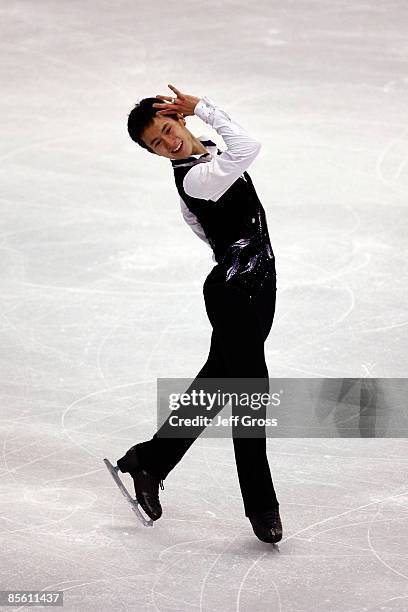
<point x="205" y="110"/>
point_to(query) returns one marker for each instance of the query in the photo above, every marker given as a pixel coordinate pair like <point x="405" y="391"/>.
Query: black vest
<point x="235" y="226"/>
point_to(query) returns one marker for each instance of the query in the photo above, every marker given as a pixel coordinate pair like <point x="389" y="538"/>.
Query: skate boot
<point x="146" y="485"/>
<point x="267" y="525"/>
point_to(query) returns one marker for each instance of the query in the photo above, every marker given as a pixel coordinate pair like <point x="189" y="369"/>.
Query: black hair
<point x="141" y="116"/>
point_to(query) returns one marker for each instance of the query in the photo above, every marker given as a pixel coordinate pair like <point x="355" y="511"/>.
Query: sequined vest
<point x="235" y="226"/>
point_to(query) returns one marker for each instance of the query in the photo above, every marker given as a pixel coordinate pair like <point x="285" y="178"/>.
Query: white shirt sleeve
<point x="191" y="220"/>
<point x="210" y="180"/>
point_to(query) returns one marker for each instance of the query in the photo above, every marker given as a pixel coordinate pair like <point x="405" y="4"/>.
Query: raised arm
<point x="210" y="180"/>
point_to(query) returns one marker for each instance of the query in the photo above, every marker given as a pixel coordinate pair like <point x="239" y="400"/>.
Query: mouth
<point x="178" y="148"/>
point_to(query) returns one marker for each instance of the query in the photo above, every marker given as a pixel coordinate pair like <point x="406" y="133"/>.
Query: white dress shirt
<point x="212" y="178"/>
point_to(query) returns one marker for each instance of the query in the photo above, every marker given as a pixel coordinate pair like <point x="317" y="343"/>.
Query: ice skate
<point x="146" y="484"/>
<point x="133" y="502"/>
<point x="267" y="526"/>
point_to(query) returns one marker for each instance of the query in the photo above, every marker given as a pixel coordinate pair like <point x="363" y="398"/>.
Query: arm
<point x="210" y="180"/>
<point x="191" y="220"/>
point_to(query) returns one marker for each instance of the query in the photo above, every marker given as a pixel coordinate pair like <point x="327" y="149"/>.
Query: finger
<point x="170" y="111"/>
<point x="173" y="103"/>
<point x="163" y="105"/>
<point x="172" y="108"/>
<point x="165" y="97"/>
<point x="179" y="94"/>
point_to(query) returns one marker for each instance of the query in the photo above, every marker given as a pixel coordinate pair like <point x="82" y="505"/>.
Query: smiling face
<point x="171" y="139"/>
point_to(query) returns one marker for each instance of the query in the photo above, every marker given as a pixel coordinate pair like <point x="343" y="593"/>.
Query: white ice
<point x="101" y="293"/>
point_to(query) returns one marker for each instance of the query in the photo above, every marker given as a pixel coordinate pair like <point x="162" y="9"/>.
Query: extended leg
<point x="162" y="453"/>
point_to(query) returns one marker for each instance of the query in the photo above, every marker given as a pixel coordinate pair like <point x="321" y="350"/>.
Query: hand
<point x="182" y="105"/>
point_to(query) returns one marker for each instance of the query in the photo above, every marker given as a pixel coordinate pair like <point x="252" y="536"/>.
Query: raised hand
<point x="182" y="104"/>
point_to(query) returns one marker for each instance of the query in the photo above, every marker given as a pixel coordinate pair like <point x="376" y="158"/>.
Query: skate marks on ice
<point x="354" y="548"/>
<point x="324" y="527"/>
<point x="392" y="163"/>
<point x="114" y="472"/>
<point x="340" y="296"/>
<point x="219" y="567"/>
<point x="349" y="550"/>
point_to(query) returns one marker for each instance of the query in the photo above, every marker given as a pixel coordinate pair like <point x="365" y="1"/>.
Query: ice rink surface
<point x="101" y="293"/>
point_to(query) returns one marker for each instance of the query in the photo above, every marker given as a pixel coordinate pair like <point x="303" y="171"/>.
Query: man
<point x="219" y="202"/>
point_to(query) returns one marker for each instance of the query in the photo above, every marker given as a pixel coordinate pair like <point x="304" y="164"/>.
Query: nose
<point x="171" y="141"/>
<point x="167" y="137"/>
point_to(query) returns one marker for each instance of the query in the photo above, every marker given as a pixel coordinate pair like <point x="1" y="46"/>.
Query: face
<point x="165" y="134"/>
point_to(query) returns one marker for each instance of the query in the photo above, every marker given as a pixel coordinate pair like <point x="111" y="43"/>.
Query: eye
<point x="168" y="130"/>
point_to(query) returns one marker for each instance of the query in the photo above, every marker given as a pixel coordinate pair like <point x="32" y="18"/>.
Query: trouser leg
<point x="245" y="356"/>
<point x="253" y="470"/>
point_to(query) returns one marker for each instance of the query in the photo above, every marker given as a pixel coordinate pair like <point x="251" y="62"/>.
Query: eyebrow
<point x="164" y="126"/>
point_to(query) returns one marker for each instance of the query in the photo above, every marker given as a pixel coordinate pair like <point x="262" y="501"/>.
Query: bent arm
<point x="191" y="220"/>
<point x="210" y="180"/>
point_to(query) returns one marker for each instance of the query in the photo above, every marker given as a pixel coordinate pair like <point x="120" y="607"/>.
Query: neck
<point x="198" y="147"/>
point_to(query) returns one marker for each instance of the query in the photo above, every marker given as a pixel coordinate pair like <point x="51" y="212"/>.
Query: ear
<point x="181" y="116"/>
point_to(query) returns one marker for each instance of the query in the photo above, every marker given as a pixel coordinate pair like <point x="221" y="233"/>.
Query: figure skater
<point x="219" y="202"/>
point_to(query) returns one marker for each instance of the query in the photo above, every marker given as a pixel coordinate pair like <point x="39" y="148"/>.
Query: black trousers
<point x="241" y="320"/>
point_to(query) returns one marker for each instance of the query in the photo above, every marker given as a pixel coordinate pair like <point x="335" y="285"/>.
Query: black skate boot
<point x="146" y="485"/>
<point x="267" y="525"/>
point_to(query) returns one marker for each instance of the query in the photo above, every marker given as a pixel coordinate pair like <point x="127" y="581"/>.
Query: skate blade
<point x="114" y="472"/>
<point x="276" y="547"/>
